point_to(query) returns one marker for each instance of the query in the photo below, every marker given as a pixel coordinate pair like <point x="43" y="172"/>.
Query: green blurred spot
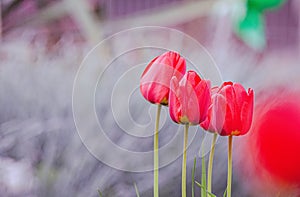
<point x="262" y="5"/>
<point x="251" y="29"/>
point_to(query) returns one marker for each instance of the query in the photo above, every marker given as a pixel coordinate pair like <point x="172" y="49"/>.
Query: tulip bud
<point x="231" y="110"/>
<point x="189" y="99"/>
<point x="155" y="80"/>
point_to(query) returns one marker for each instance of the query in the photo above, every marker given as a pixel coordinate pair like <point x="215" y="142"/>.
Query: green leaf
<point x="203" y="177"/>
<point x="100" y="194"/>
<point x="136" y="190"/>
<point x="204" y="188"/>
<point x="225" y="192"/>
<point x="193" y="178"/>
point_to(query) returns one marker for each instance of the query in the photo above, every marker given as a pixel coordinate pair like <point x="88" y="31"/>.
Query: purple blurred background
<point x="43" y="42"/>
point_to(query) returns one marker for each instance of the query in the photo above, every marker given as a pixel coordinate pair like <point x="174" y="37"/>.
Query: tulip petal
<point x="229" y="125"/>
<point x="204" y="101"/>
<point x="247" y="112"/>
<point x="218" y="113"/>
<point x="174" y="107"/>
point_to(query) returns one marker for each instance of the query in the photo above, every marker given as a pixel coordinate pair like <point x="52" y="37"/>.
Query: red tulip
<point x="189" y="99"/>
<point x="155" y="80"/>
<point x="231" y="110"/>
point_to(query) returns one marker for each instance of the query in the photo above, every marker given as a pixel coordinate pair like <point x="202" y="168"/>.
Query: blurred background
<point x="43" y="42"/>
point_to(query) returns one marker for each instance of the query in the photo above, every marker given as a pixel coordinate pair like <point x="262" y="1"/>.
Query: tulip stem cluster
<point x="229" y="175"/>
<point x="226" y="110"/>
<point x="183" y="171"/>
<point x="156" y="161"/>
<point x="210" y="163"/>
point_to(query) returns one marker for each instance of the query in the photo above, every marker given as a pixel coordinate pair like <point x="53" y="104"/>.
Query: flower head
<point x="189" y="99"/>
<point x="231" y="110"/>
<point x="155" y="80"/>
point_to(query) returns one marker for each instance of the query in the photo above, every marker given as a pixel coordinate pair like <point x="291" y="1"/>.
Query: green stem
<point x="210" y="163"/>
<point x="203" y="173"/>
<point x="193" y="177"/>
<point x="229" y="175"/>
<point x="183" y="175"/>
<point x="156" y="161"/>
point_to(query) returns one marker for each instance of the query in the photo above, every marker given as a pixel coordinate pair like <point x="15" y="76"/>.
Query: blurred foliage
<point x="251" y="27"/>
<point x="262" y="5"/>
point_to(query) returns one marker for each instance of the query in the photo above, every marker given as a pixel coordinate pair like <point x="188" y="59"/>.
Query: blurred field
<point x="42" y="44"/>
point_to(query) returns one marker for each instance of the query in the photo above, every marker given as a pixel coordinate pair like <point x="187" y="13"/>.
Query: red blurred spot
<point x="278" y="140"/>
<point x="270" y="152"/>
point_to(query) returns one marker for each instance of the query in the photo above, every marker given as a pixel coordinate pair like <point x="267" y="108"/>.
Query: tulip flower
<point x="231" y="110"/>
<point x="154" y="86"/>
<point x="155" y="80"/>
<point x="188" y="101"/>
<point x="230" y="114"/>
